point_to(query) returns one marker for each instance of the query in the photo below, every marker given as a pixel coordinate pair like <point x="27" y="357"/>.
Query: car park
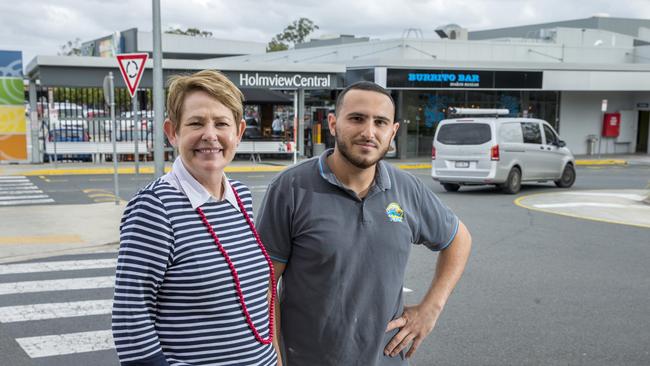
<point x="482" y="148"/>
<point x="68" y="134"/>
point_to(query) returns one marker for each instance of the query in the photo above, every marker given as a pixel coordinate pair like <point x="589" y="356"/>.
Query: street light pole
<point x="158" y="94"/>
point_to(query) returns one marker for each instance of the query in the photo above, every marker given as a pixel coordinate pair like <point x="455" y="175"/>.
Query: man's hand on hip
<point x="415" y="324"/>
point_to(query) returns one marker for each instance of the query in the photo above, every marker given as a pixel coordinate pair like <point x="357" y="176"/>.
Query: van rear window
<point x="464" y="134"/>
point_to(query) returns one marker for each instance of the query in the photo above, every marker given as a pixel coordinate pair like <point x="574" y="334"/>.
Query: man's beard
<point x="358" y="161"/>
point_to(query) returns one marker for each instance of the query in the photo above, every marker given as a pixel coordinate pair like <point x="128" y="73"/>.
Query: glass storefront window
<point x="423" y="110"/>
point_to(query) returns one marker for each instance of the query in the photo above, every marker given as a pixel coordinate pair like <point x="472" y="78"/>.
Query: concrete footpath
<point x="37" y="231"/>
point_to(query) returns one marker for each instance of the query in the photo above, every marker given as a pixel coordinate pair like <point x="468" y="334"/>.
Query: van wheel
<point x="513" y="183"/>
<point x="451" y="187"/>
<point x="568" y="177"/>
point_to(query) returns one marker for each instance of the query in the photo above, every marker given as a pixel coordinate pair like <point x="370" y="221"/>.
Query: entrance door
<point x="643" y="132"/>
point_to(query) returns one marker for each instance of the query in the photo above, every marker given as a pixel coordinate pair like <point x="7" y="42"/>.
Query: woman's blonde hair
<point x="211" y="82"/>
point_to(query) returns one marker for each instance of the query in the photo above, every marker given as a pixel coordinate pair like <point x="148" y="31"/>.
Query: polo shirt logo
<point x="394" y="212"/>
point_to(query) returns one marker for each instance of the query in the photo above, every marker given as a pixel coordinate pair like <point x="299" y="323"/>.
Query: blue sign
<point x="464" y="78"/>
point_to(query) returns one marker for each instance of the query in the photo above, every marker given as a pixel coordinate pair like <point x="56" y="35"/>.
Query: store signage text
<point x="463" y="79"/>
<point x="284" y="81"/>
<point x="455" y="79"/>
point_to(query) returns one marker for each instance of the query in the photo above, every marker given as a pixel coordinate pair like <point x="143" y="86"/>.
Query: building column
<point x="36" y="155"/>
<point x="402" y="132"/>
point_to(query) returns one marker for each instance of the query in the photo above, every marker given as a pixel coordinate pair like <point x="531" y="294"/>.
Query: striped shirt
<point x="175" y="301"/>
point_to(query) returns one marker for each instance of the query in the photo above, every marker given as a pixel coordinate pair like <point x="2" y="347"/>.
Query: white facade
<point x="581" y="116"/>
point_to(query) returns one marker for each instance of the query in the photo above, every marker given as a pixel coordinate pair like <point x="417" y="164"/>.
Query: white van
<point x="500" y="151"/>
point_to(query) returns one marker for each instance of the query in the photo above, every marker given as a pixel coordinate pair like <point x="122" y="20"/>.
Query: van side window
<point x="532" y="133"/>
<point x="551" y="138"/>
<point x="510" y="132"/>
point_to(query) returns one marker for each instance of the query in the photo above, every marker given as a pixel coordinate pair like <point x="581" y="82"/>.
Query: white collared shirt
<point x="181" y="179"/>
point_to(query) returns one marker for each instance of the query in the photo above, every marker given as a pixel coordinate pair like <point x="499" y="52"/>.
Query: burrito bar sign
<point x="285" y="81"/>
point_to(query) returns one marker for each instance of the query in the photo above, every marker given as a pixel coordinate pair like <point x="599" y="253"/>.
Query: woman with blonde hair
<point x="193" y="278"/>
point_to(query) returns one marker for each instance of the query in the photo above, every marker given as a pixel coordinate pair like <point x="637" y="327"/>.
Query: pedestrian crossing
<point x="64" y="293"/>
<point x="19" y="190"/>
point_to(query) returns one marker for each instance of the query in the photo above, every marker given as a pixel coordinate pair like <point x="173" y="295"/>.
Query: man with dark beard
<point x="339" y="230"/>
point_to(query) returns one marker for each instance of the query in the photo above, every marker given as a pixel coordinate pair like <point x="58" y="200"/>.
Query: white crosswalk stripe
<point x="57" y="266"/>
<point x="23" y="313"/>
<point x="19" y="190"/>
<point x="71" y="312"/>
<point x="65" y="344"/>
<point x="24" y="287"/>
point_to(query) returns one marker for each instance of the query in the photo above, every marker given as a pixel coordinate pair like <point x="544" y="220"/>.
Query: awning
<point x="266" y="96"/>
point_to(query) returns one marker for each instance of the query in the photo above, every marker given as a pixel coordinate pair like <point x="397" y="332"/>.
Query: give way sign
<point x="132" y="68"/>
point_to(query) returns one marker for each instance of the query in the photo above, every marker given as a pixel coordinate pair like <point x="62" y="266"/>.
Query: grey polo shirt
<point x="346" y="258"/>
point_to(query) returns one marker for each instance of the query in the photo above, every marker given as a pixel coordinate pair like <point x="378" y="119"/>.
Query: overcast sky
<point x="40" y="27"/>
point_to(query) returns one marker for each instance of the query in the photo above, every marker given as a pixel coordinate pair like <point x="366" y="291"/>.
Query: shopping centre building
<point x="568" y="73"/>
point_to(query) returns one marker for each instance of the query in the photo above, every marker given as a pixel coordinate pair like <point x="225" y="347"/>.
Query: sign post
<point x="109" y="95"/>
<point x="603" y="109"/>
<point x="132" y="67"/>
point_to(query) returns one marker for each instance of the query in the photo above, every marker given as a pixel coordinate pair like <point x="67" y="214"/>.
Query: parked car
<point x="126" y="126"/>
<point x="500" y="151"/>
<point x="68" y="134"/>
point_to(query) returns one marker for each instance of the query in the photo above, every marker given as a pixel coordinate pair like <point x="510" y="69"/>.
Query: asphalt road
<point x="540" y="289"/>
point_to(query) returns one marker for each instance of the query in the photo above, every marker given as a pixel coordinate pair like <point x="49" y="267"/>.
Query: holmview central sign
<point x="256" y="80"/>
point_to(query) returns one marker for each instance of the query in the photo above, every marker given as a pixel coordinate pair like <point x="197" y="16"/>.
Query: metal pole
<point x="55" y="155"/>
<point x="300" y="125"/>
<point x="111" y="85"/>
<point x="295" y="118"/>
<point x="158" y="94"/>
<point x="137" y="122"/>
<point x="600" y="138"/>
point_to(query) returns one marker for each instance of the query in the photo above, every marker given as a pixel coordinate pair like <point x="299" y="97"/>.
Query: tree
<point x="276" y="45"/>
<point x="194" y="32"/>
<point x="70" y="48"/>
<point x="293" y="34"/>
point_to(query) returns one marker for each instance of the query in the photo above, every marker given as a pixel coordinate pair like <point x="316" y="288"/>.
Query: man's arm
<point x="278" y="269"/>
<point x="417" y="321"/>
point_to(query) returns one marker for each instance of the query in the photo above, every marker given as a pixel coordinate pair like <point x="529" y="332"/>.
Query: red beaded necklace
<point x="235" y="276"/>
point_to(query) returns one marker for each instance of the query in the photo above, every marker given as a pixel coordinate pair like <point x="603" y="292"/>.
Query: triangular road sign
<point x="132" y="68"/>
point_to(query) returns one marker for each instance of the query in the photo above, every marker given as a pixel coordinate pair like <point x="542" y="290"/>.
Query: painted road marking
<point x="99" y="195"/>
<point x="16" y="184"/>
<point x="629" y="196"/>
<point x="588" y="204"/>
<point x="18" y="190"/>
<point x="57" y="266"/>
<point x="6" y="198"/>
<point x="26" y="202"/>
<point x="24" y="191"/>
<point x="14" y="181"/>
<point x="23" y="313"/>
<point x="56" y="285"/>
<point x="65" y="344"/>
<point x="29" y="187"/>
<point x="41" y="239"/>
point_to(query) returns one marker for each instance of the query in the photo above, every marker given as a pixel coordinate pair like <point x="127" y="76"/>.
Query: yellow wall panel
<point x="12" y="120"/>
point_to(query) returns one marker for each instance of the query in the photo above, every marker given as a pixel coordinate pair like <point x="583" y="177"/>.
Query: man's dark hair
<point x="365" y="86"/>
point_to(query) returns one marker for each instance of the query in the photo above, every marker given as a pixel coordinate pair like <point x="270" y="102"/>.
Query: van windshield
<point x="464" y="134"/>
